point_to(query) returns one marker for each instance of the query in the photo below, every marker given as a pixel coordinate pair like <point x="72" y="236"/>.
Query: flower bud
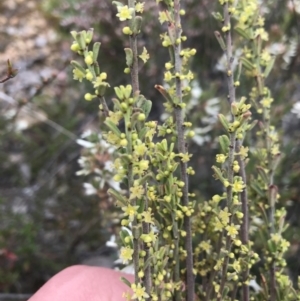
<point x="88" y="60"/>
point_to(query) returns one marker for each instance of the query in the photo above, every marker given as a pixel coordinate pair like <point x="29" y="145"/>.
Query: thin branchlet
<point x="135" y="88"/>
<point x="104" y="105"/>
<point x="190" y="286"/>
<point x="134" y="70"/>
<point x="245" y="220"/>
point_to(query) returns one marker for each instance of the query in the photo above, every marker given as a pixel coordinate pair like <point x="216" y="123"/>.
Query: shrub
<point x="162" y="220"/>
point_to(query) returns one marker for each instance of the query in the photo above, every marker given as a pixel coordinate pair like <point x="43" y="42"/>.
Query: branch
<point x="10" y="73"/>
<point x="245" y="220"/>
<point x="190" y="282"/>
<point x="135" y="88"/>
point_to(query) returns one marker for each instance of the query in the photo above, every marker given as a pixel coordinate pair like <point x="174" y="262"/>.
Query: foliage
<point x="68" y="221"/>
<point x="157" y="206"/>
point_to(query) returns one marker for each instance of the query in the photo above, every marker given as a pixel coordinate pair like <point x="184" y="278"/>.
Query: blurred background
<point x="54" y="171"/>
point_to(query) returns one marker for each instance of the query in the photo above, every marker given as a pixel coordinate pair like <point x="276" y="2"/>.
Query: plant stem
<point x="104" y="106"/>
<point x="146" y="230"/>
<point x="271" y="198"/>
<point x="230" y="170"/>
<point x="135" y="88"/>
<point x="190" y="285"/>
<point x="232" y="137"/>
<point x="177" y="267"/>
<point x="245" y="220"/>
<point x="134" y="70"/>
<point x="229" y="57"/>
<point x="209" y="288"/>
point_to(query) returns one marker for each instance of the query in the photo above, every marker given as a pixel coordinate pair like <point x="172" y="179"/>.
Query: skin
<point x="84" y="283"/>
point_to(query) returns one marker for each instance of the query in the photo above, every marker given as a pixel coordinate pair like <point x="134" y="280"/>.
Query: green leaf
<point x="137" y="24"/>
<point x="164" y="93"/>
<point x="113" y="127"/>
<point x="269" y="67"/>
<point x="81" y="39"/>
<point x="263" y="174"/>
<point x="129" y="57"/>
<point x="76" y="65"/>
<point x="218" y="172"/>
<point x="256" y="187"/>
<point x="142" y="133"/>
<point x="89" y="35"/>
<point x="217" y="16"/>
<point x="146" y="107"/>
<point x="242" y="33"/>
<point x="117" y="196"/>
<point x="247" y="64"/>
<point x="127" y="282"/>
<point x="224" y="121"/>
<point x="145" y="178"/>
<point x="224" y="143"/>
<point x="96" y="48"/>
<point x="220" y="40"/>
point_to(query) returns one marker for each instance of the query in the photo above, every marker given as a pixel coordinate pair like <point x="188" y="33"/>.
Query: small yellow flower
<point x="78" y="75"/>
<point x="130" y="211"/>
<point x="115" y="117"/>
<point x="126" y="254"/>
<point x="168" y="76"/>
<point x="236" y="266"/>
<point x="112" y="138"/>
<point x="139" y="7"/>
<point x="124" y="13"/>
<point x="190" y="75"/>
<point x="265" y="56"/>
<point x="147" y="216"/>
<point x="143" y="165"/>
<point x="260" y="21"/>
<point x="238" y="186"/>
<point x="224" y="216"/>
<point x="163" y="17"/>
<point x="244" y="152"/>
<point x="140" y="149"/>
<point x="185" y="157"/>
<point x="151" y="195"/>
<point x="276" y="237"/>
<point x="99" y="79"/>
<point x="284" y="245"/>
<point x="137" y="191"/>
<point x="275" y="150"/>
<point x="216" y="198"/>
<point x="262" y="33"/>
<point x="266" y="102"/>
<point x="220" y="158"/>
<point x="218" y="226"/>
<point x="205" y="246"/>
<point x="232" y="230"/>
<point x="145" y="55"/>
<point x="218" y="265"/>
<point x="139" y="292"/>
